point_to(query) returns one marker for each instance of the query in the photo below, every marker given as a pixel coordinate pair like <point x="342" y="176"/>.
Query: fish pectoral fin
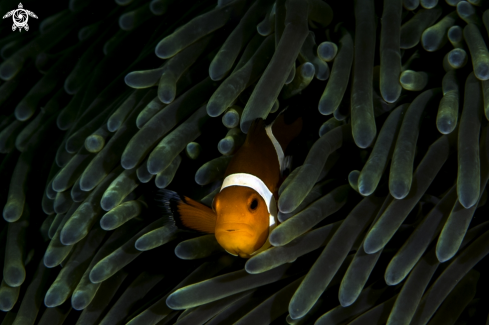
<point x="187" y="213"/>
<point x="197" y="216"/>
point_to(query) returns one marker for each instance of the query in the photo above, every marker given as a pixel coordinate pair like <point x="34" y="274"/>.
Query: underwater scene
<point x="246" y="162"/>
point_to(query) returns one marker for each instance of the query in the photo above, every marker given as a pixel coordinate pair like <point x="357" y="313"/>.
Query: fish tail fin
<point x="187" y="214"/>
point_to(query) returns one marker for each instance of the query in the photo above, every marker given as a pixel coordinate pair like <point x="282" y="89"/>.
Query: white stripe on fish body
<point x="278" y="148"/>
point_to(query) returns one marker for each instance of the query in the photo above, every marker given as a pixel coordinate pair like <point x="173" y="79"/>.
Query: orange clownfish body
<point x="244" y="211"/>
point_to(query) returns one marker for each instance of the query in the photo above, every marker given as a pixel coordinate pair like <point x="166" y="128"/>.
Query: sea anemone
<point x="381" y="215"/>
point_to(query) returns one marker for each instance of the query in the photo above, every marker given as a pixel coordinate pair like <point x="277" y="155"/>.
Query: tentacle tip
<point x="79" y="300"/>
<point x="157" y="9"/>
<point x="282" y="216"/>
<point x="249" y="268"/>
<point x="107" y="223"/>
<point x="346" y="301"/>
<point x="94" y="143"/>
<point x="443" y="255"/>
<point x="372" y="245"/>
<point x="86" y="185"/>
<point x="127" y="163"/>
<point x="57" y="185"/>
<point x="295" y="314"/>
<point x="230" y="120"/>
<point x="96" y="275"/>
<point x="67" y="238"/>
<point x="155" y="166"/>
<point x="398" y="191"/>
<point x="178" y="252"/>
<point x="50" y="261"/>
<point x="8" y="70"/>
<point x="325" y="107"/>
<point x="140" y="122"/>
<point x="482" y="72"/>
<point x="199" y="179"/>
<point x="79" y="306"/>
<point x="245" y="125"/>
<point x="128" y="81"/>
<point x="276" y="239"/>
<point x="213" y="109"/>
<point x="126" y="22"/>
<point x="364" y="190"/>
<point x="172" y="301"/>
<point x="23" y="112"/>
<point x="14" y="276"/>
<point x="162" y="51"/>
<point x="445" y="126"/>
<point x="429" y="40"/>
<point x="12" y="213"/>
<point x="215" y="74"/>
<point x="391" y="279"/>
<point x="363" y="141"/>
<point x="167" y="98"/>
<point x="141" y="245"/>
<point x="72" y="148"/>
<point x="467" y="201"/>
<point x="186" y="256"/>
<point x="59" y="209"/>
<point x="52" y="300"/>
<point x="61" y="124"/>
<point x="113" y="125"/>
<point x="225" y="145"/>
<point x="390" y="96"/>
<point x="109" y="201"/>
<point x="6" y="304"/>
<point x="284" y="205"/>
<point x="308" y="70"/>
<point x="322" y="74"/>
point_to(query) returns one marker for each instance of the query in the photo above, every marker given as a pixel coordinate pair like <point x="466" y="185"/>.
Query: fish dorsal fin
<point x="285" y="133"/>
<point x="256" y="132"/>
<point x="187" y="213"/>
<point x="257" y="156"/>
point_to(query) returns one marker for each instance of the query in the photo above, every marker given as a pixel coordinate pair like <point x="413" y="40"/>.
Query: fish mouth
<point x="231" y="228"/>
<point x="237" y="239"/>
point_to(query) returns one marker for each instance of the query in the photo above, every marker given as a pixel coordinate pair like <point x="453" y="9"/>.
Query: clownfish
<point x="244" y="212"/>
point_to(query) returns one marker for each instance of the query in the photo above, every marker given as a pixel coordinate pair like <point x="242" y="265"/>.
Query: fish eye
<point x="254" y="204"/>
